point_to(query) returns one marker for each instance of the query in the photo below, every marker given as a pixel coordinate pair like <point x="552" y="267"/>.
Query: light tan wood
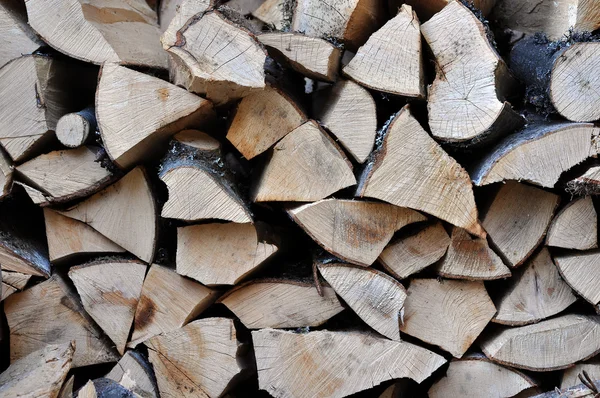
<point x="135" y="371"/>
<point x="39" y="374"/>
<point x="136" y="112"/>
<point x="396" y="175"/>
<point x="110" y="291"/>
<point x="88" y="391"/>
<point x="181" y="11"/>
<point x="125" y="213"/>
<point x="466" y="100"/>
<point x="7" y="290"/>
<point x="391" y="60"/>
<point x="574" y="87"/>
<point x="570" y="376"/>
<point x="198" y="140"/>
<point x="586" y="184"/>
<point x="220" y="254"/>
<point x="74" y="129"/>
<point x="6" y="174"/>
<point x="335" y="364"/>
<point x="535" y="292"/>
<point x="471" y="258"/>
<point x="581" y="271"/>
<point x="449" y="314"/>
<point x="349" y="113"/>
<point x="415" y="252"/>
<point x="261" y="119"/>
<point x="67" y="389"/>
<point x="588" y="16"/>
<point x="575" y="226"/>
<point x="202" y="359"/>
<point x="168" y="302"/>
<point x="50" y="313"/>
<point x="274" y="303"/>
<point x="36" y="196"/>
<point x="15" y="279"/>
<point x="305" y="165"/>
<point x="534" y="347"/>
<point x="313" y="57"/>
<point x="275" y="13"/>
<point x="517" y="220"/>
<point x="18" y="36"/>
<point x="377" y="298"/>
<point x="100" y="31"/>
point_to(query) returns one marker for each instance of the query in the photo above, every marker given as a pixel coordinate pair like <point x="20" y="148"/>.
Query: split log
<point x="50" y="313"/>
<point x="378" y="299"/>
<point x="168" y="302"/>
<point x="35" y="196"/>
<point x="18" y="36"/>
<point x="7" y="290"/>
<point x="138" y="112"/>
<point x="517" y="220"/>
<point x="67" y="389"/>
<point x="88" y="391"/>
<point x="575" y="226"/>
<point x="415" y="252"/>
<point x="535" y="292"/>
<point x="348" y="111"/>
<point x="449" y="314"/>
<point x="110" y="291"/>
<point x="305" y="166"/>
<point x="261" y="119"/>
<point x="73" y="129"/>
<point x="125" y="213"/>
<point x="13" y="282"/>
<point x="427" y="8"/>
<point x="586" y="184"/>
<point x="39" y="374"/>
<point x="466" y="101"/>
<point x="355" y="231"/>
<point x="133" y="371"/>
<point x="178" y="12"/>
<point x="471" y="258"/>
<point x="274" y="12"/>
<point x="396" y="175"/>
<point x="220" y="254"/>
<point x="391" y="61"/>
<point x="203" y="358"/>
<point x="533" y="347"/>
<point x="570" y="376"/>
<point x="341" y="363"/>
<point x="582" y="272"/>
<point x="100" y="31"/>
<point x="281" y="304"/>
<point x="6" y="174"/>
<point x="478" y="377"/>
<point x="198" y="140"/>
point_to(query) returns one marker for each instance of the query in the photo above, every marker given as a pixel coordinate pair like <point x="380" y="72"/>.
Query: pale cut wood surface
<point x="355" y="231"/>
<point x="570" y="376"/>
<point x="136" y="112"/>
<point x="582" y="272"/>
<point x="313" y="57"/>
<point x="575" y="226"/>
<point x="517" y="220"/>
<point x="447" y="313"/>
<point x="135" y="371"/>
<point x="261" y="119"/>
<point x="427" y="8"/>
<point x="50" y="313"/>
<point x="124" y="212"/>
<point x="339" y="363"/>
<point x="415" y="252"/>
<point x="534" y="347"/>
<point x="7" y="290"/>
<point x="67" y="389"/>
<point x="6" y="174"/>
<point x="396" y="175"/>
<point x="197" y="139"/>
<point x="168" y="302"/>
<point x="391" y="60"/>
<point x="199" y="360"/>
<point x="466" y="101"/>
<point x="471" y="258"/>
<point x="376" y="297"/>
<point x="15" y="279"/>
<point x="535" y="292"/>
<point x="220" y="254"/>
<point x="182" y="11"/>
<point x="18" y="37"/>
<point x="110" y="291"/>
<point x="349" y="113"/>
<point x="88" y="391"/>
<point x="305" y="165"/>
<point x="272" y="12"/>
<point x="586" y="184"/>
<point x="74" y="129"/>
<point x="39" y="374"/>
<point x="282" y="304"/>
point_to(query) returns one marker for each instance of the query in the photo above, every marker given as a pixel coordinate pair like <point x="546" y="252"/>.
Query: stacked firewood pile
<point x="299" y="198"/>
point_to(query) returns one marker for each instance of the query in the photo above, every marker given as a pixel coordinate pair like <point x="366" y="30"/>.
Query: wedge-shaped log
<point x="575" y="226"/>
<point x="396" y="175"/>
<point x="168" y="302"/>
<point x="376" y="297"/>
<point x="571" y="375"/>
<point x="535" y="292"/>
<point x="305" y="166"/>
<point x="534" y="347"/>
<point x="281" y="304"/>
<point x="18" y="36"/>
<point x="586" y="184"/>
<point x="138" y="112"/>
<point x="13" y="282"/>
<point x="341" y="363"/>
<point x="203" y="358"/>
<point x="582" y="272"/>
<point x="355" y="231"/>
<point x="415" y="252"/>
<point x="466" y="101"/>
<point x="50" y="313"/>
<point x="517" y="220"/>
<point x="6" y="174"/>
<point x="220" y="254"/>
<point x="135" y="371"/>
<point x="391" y="60"/>
<point x="449" y="314"/>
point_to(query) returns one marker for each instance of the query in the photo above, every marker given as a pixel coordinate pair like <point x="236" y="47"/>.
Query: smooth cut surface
<point x="582" y="272"/>
<point x="575" y="226"/>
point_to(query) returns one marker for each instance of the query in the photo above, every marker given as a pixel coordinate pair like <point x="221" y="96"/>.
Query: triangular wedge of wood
<point x="13" y="282"/>
<point x="580" y="271"/>
<point x="575" y="226"/>
<point x="135" y="372"/>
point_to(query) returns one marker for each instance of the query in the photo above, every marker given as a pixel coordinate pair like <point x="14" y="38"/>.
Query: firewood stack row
<point x="299" y="198"/>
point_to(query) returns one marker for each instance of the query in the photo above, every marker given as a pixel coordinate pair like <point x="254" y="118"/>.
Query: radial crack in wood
<point x="575" y="226"/>
<point x="582" y="272"/>
<point x="18" y="36"/>
<point x="133" y="371"/>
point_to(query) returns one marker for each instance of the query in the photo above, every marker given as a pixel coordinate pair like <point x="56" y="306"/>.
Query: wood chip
<point x="575" y="226"/>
